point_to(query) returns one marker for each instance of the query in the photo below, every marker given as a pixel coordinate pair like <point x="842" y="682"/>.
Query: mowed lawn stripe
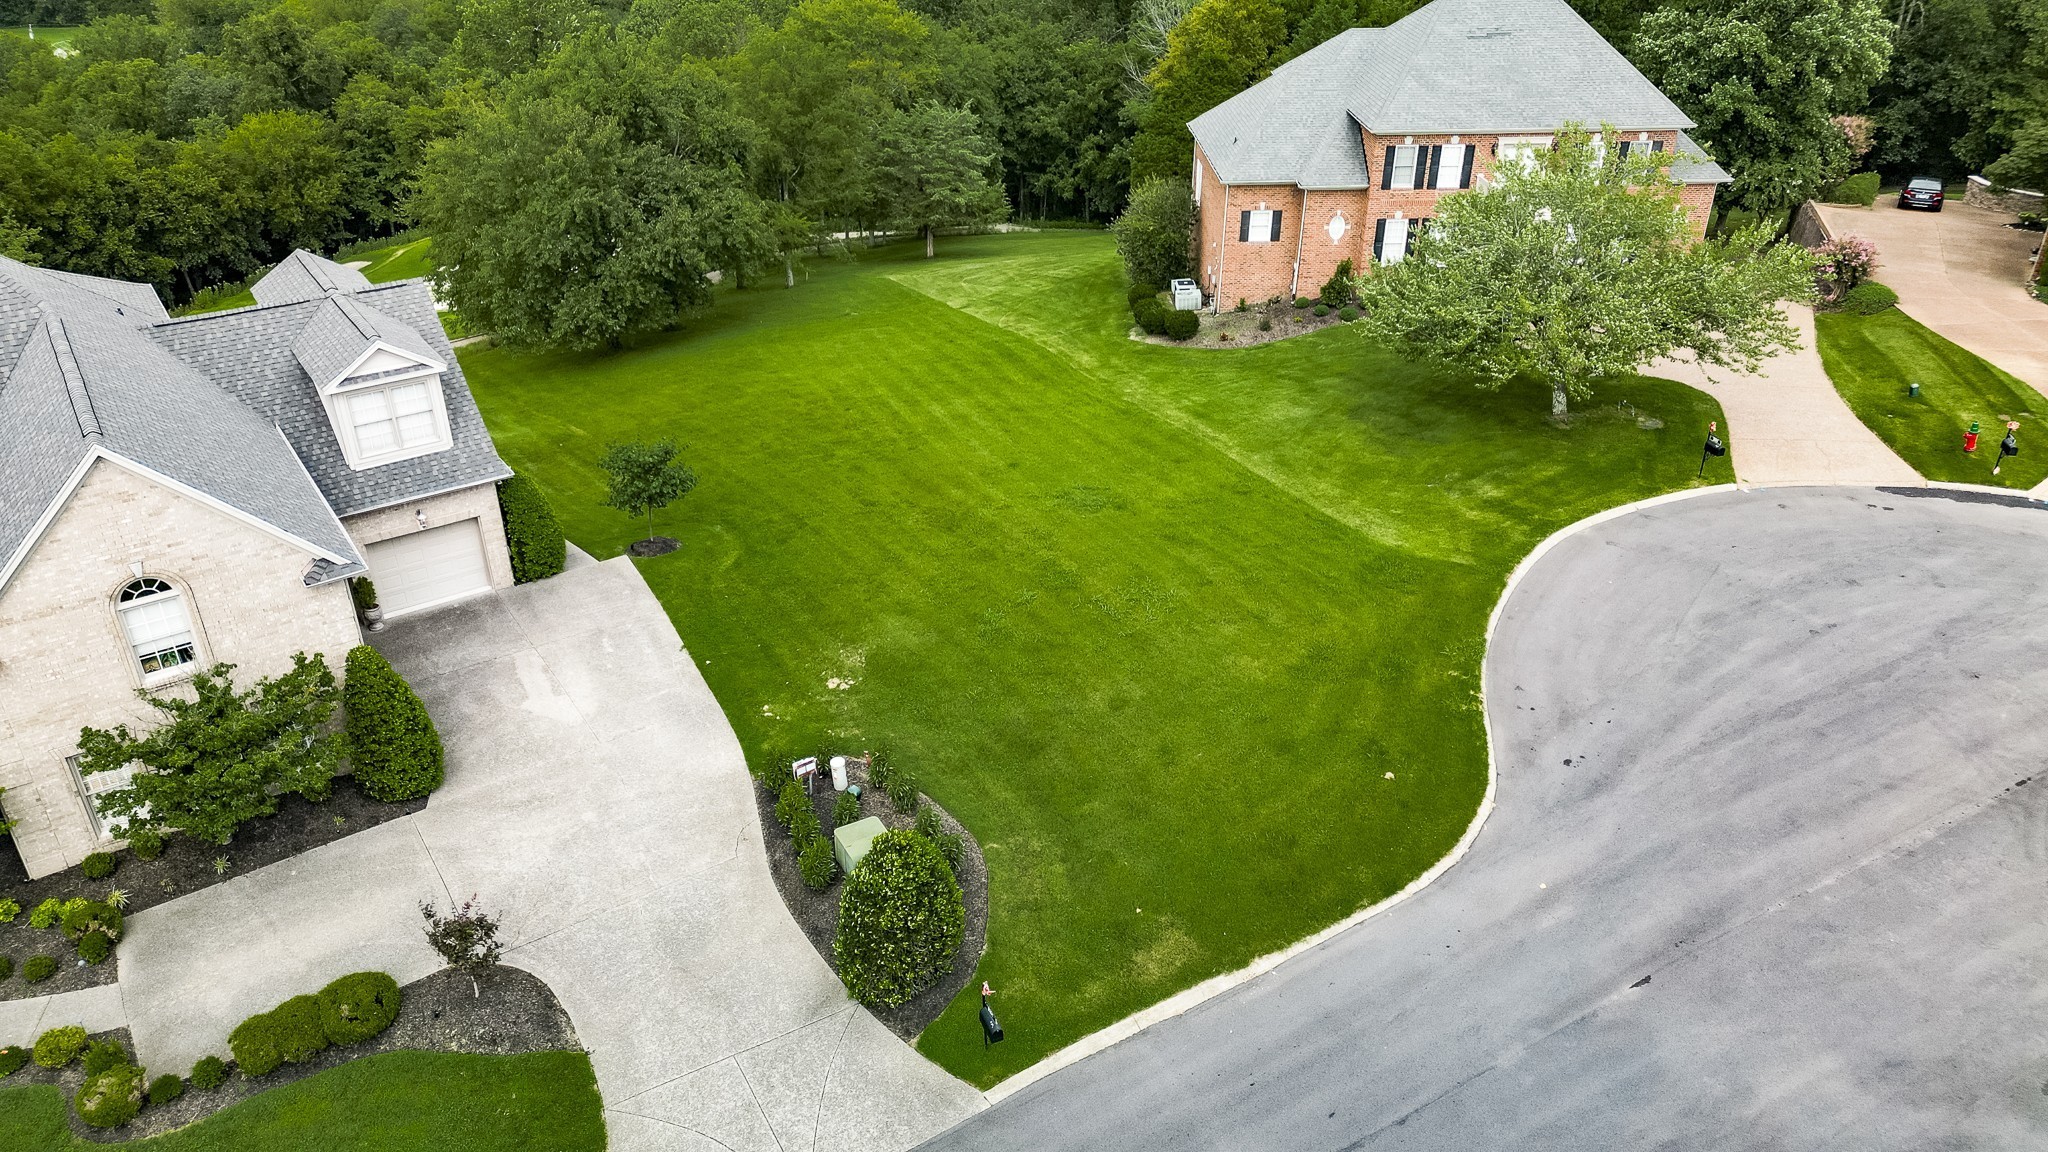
<point x="1147" y="676"/>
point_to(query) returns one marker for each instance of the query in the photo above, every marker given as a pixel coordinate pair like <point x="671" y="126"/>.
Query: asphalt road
<point x="1761" y="874"/>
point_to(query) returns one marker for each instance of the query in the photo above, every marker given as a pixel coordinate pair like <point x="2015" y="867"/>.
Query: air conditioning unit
<point x="1187" y="296"/>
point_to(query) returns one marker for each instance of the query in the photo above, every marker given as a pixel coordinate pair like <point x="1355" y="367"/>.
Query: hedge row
<point x="348" y="1011"/>
<point x="532" y="533"/>
<point x="391" y="740"/>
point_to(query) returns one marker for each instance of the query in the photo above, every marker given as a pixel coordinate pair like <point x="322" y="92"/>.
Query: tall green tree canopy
<point x="593" y="200"/>
<point x="1763" y="80"/>
<point x="936" y="171"/>
<point x="1567" y="272"/>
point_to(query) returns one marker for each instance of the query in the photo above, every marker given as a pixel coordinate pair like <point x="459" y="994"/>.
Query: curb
<point x="1215" y="986"/>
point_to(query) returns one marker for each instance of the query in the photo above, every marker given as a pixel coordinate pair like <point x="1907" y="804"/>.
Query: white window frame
<point x="1198" y="181"/>
<point x="93" y="786"/>
<point x="1522" y="149"/>
<point x="1407" y="159"/>
<point x="1394" y="248"/>
<point x="1450" y="173"/>
<point x="1260" y="230"/>
<point x="341" y="412"/>
<point x="187" y="652"/>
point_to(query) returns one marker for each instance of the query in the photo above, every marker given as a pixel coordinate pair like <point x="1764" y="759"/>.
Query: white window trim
<point x="1260" y="231"/>
<point x="1198" y="181"/>
<point x="1407" y="156"/>
<point x="162" y="676"/>
<point x="1451" y="170"/>
<point x="338" y="414"/>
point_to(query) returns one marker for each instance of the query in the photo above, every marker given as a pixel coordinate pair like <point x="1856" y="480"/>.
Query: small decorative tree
<point x="1155" y="234"/>
<point x="467" y="938"/>
<point x="643" y="479"/>
<point x="392" y="742"/>
<point x="223" y="757"/>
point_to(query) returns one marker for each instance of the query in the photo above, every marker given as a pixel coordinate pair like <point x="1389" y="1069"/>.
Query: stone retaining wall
<point x="2010" y="200"/>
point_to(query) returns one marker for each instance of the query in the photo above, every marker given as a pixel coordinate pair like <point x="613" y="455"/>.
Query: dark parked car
<point x="1921" y="192"/>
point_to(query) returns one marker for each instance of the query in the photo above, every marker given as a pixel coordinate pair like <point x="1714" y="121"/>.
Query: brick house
<point x="177" y="493"/>
<point x="1343" y="151"/>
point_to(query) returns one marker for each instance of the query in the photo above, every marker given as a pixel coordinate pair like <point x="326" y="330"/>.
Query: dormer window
<point x="380" y="381"/>
<point x="389" y="420"/>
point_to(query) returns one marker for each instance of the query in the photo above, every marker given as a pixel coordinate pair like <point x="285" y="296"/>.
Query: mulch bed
<point x="658" y="546"/>
<point x="817" y="913"/>
<point x="1229" y="329"/>
<point x="186" y="865"/>
<point x="516" y="1012"/>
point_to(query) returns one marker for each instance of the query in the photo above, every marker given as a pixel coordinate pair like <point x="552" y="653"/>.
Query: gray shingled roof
<point x="1452" y="66"/>
<point x="342" y="330"/>
<point x="249" y="353"/>
<point x="1694" y="166"/>
<point x="86" y="374"/>
<point x="304" y="276"/>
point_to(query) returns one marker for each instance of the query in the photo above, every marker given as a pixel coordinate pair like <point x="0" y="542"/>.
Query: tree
<point x="595" y="201"/>
<point x="1566" y="272"/>
<point x="1156" y="232"/>
<point x="935" y="167"/>
<point x="1764" y="80"/>
<point x="223" y="757"/>
<point x="467" y="938"/>
<point x="642" y="479"/>
<point x="1216" y="51"/>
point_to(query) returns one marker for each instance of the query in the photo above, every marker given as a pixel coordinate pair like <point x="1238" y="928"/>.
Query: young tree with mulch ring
<point x="641" y="479"/>
<point x="391" y="740"/>
<point x="467" y="938"/>
<point x="901" y="921"/>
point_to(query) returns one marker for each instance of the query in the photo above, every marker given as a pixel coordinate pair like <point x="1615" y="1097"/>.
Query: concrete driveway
<point x="1961" y="272"/>
<point x="598" y="799"/>
<point x="1761" y="872"/>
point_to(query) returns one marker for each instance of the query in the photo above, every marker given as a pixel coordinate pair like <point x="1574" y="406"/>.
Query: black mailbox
<point x="991" y="1029"/>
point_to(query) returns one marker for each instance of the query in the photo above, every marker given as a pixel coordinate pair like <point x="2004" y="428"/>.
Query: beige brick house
<point x="1344" y="151"/>
<point x="176" y="493"/>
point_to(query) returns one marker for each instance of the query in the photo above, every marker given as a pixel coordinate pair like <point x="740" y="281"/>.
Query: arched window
<point x="158" y="627"/>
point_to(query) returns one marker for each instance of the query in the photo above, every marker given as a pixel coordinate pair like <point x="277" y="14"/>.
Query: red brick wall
<point x="1699" y="204"/>
<point x="1319" y="251"/>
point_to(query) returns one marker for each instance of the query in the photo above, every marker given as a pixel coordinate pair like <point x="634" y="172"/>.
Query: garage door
<point x="428" y="568"/>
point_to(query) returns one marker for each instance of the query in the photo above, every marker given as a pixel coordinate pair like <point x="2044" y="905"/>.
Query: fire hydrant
<point x="1970" y="438"/>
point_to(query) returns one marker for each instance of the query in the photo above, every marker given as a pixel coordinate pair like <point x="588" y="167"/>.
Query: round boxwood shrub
<point x="845" y="810"/>
<point x="1303" y="301"/>
<point x="9" y="909"/>
<point x="12" y="1057"/>
<point x="254" y="1044"/>
<point x="6" y="967"/>
<point x="1141" y="291"/>
<point x="85" y="917"/>
<point x="47" y="914"/>
<point x="97" y="865"/>
<point x="300" y="1033"/>
<point x="146" y="843"/>
<point x="391" y="739"/>
<point x="816" y="864"/>
<point x="1322" y="309"/>
<point x="164" y="1089"/>
<point x="532" y="534"/>
<point x="358" y="1006"/>
<point x="1347" y="314"/>
<point x="1868" y="299"/>
<point x="60" y="1046"/>
<point x="211" y="1072"/>
<point x="901" y="920"/>
<point x="111" y="1098"/>
<point x="1151" y="316"/>
<point x="1181" y="325"/>
<point x="95" y="947"/>
<point x="101" y="1055"/>
<point x="37" y="969"/>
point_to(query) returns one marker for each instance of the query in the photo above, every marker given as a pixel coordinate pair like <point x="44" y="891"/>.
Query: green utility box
<point x="850" y="844"/>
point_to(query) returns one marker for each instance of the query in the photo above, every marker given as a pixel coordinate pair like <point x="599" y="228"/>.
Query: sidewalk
<point x="1788" y="425"/>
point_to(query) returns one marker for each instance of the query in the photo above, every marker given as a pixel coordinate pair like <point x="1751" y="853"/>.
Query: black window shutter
<point x="1656" y="145"/>
<point x="1379" y="238"/>
<point x="1275" y="236"/>
<point x="1414" y="226"/>
<point x="1436" y="159"/>
<point x="1624" y="148"/>
<point x="1244" y="227"/>
<point x="1465" y="179"/>
<point x="1387" y="170"/>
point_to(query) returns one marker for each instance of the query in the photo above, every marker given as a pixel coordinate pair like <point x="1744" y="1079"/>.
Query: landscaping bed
<point x="515" y="1012"/>
<point x="817" y="913"/>
<point x="186" y="865"/>
<point x="1232" y="329"/>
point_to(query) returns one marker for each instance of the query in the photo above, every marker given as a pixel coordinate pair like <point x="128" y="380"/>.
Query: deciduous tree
<point x="935" y="171"/>
<point x="642" y="479"/>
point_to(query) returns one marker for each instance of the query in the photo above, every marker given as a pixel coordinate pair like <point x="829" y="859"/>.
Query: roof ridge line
<point x="74" y="378"/>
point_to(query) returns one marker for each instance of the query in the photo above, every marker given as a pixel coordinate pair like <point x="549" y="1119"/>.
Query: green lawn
<point x="399" y="1101"/>
<point x="398" y="262"/>
<point x="1157" y="623"/>
<point x="54" y="36"/>
<point x="1872" y="360"/>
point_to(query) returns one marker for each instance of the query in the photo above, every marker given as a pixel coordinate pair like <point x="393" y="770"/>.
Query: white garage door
<point x="428" y="568"/>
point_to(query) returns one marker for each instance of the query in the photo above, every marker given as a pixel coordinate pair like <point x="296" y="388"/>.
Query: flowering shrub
<point x="1849" y="260"/>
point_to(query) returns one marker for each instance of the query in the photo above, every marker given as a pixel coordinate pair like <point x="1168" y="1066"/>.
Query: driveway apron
<point x="598" y="800"/>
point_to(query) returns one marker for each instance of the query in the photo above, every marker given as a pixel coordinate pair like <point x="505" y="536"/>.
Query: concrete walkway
<point x="1788" y="425"/>
<point x="1961" y="272"/>
<point x="597" y="798"/>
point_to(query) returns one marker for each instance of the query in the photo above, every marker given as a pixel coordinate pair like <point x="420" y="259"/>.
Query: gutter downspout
<point x="1300" y="235"/>
<point x="1222" y="246"/>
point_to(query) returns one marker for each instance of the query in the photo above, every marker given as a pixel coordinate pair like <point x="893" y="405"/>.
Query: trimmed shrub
<point x="101" y="1055"/>
<point x="95" y="947"/>
<point x="1847" y="260"/>
<point x="532" y="533"/>
<point x="1151" y="316"/>
<point x="82" y="918"/>
<point x="901" y="921"/>
<point x="1141" y="291"/>
<point x="805" y="828"/>
<point x="927" y="824"/>
<point x="1303" y="301"/>
<point x="211" y="1072"/>
<point x="1868" y="299"/>
<point x="60" y="1046"/>
<point x="6" y="967"/>
<point x="254" y="1044"/>
<point x="903" y="791"/>
<point x="845" y="810"/>
<point x="1347" y="314"/>
<point x="391" y="739"/>
<point x="363" y="592"/>
<point x="789" y="802"/>
<point x="97" y="865"/>
<point x="9" y="909"/>
<point x="300" y="1034"/>
<point x="358" y="1006"/>
<point x="164" y="1089"/>
<point x="1858" y="189"/>
<point x="1337" y="289"/>
<point x="1181" y="325"/>
<point x="37" y="969"/>
<point x="1153" y="234"/>
<point x="146" y="843"/>
<point x="12" y="1057"/>
<point x="816" y="864"/>
<point x="1322" y="309"/>
<point x="47" y="913"/>
<point x="111" y="1098"/>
